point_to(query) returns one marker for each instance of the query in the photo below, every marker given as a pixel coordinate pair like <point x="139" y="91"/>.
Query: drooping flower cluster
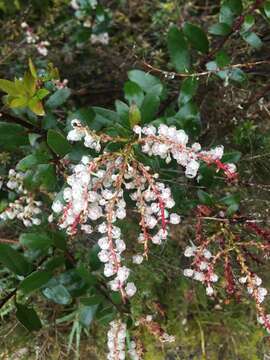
<point x="25" y="208"/>
<point x="94" y="199"/>
<point x="32" y="38"/>
<point x="117" y="340"/>
<point x="253" y="285"/>
<point x="227" y="248"/>
<point x="169" y="143"/>
<point x="202" y="267"/>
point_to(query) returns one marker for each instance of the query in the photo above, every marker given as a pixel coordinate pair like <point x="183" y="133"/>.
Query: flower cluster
<point x="25" y="208"/>
<point x="94" y="198"/>
<point x="253" y="284"/>
<point x="169" y="143"/>
<point x="32" y="38"/>
<point x="101" y="38"/>
<point x="95" y="201"/>
<point x="155" y="329"/>
<point x="202" y="267"/>
<point x="79" y="132"/>
<point x="117" y="340"/>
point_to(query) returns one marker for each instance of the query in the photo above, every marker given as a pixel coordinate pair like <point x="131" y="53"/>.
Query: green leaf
<point x="59" y="239"/>
<point x="86" y="314"/>
<point x="32" y="69"/>
<point x="28" y="318"/>
<point x="205" y="198"/>
<point x="58" y="143"/>
<point x="36" y="241"/>
<point x="12" y="136"/>
<point x="238" y="75"/>
<point x="267" y="8"/>
<point x="36" y="106"/>
<point x="57" y="294"/>
<point x="231" y="157"/>
<point x="58" y="98"/>
<point x="188" y="90"/>
<point x="45" y="177"/>
<point x="122" y="110"/>
<point x="145" y="80"/>
<point x="42" y="93"/>
<point x="150" y="106"/>
<point x="249" y="21"/>
<point x="133" y="93"/>
<point x="252" y="39"/>
<point x="229" y="10"/>
<point x="55" y="262"/>
<point x="178" y="49"/>
<point x="34" y="281"/>
<point x="222" y="59"/>
<point x="9" y="87"/>
<point x="87" y="277"/>
<point x="13" y="260"/>
<point x="104" y="117"/>
<point x="94" y="261"/>
<point x="196" y="37"/>
<point x="221" y="29"/>
<point x="18" y="102"/>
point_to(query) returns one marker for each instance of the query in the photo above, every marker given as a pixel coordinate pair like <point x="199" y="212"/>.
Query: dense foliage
<point x="134" y="179"/>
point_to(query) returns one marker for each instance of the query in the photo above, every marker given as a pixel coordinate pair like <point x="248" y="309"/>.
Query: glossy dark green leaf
<point x="87" y="314"/>
<point x="249" y="21"/>
<point x="45" y="176"/>
<point x="150" y="106"/>
<point x="104" y="117"/>
<point x="34" y="281"/>
<point x="12" y="136"/>
<point x="222" y="59"/>
<point x="40" y="241"/>
<point x="133" y="93"/>
<point x="89" y="278"/>
<point x="238" y="75"/>
<point x="231" y="157"/>
<point x="94" y="261"/>
<point x="178" y="49"/>
<point x="145" y="80"/>
<point x="221" y="29"/>
<point x="28" y="317"/>
<point x="55" y="262"/>
<point x="229" y="10"/>
<point x="122" y="110"/>
<point x="58" y="98"/>
<point x="196" y="37"/>
<point x="267" y="8"/>
<point x="252" y="39"/>
<point x="188" y="90"/>
<point x="13" y="260"/>
<point x="58" y="294"/>
<point x="58" y="143"/>
<point x="205" y="198"/>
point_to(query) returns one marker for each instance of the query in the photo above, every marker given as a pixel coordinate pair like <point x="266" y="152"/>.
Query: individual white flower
<point x="123" y="274"/>
<point x="130" y="289"/>
<point x="137" y="259"/>
<point x="188" y="272"/>
<point x="57" y="206"/>
<point x="209" y="290"/>
<point x="190" y="251"/>
<point x="175" y="219"/>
